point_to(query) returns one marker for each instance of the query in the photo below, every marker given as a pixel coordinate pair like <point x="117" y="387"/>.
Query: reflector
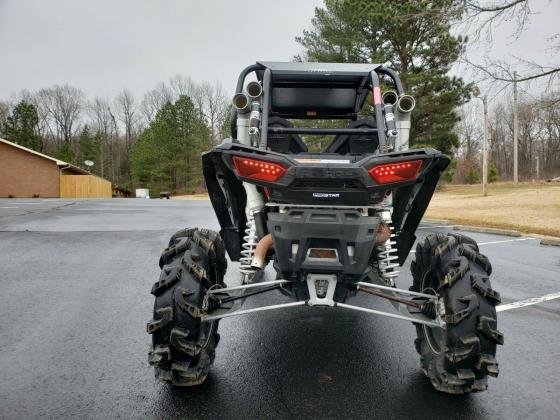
<point x="395" y="172"/>
<point x="258" y="169"/>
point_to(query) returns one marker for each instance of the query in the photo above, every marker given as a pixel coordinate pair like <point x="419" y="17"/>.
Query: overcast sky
<point x="103" y="46"/>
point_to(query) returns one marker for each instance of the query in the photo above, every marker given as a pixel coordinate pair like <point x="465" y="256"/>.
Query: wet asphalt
<point x="75" y="279"/>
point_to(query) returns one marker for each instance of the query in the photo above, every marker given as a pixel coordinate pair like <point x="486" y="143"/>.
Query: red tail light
<point x="395" y="172"/>
<point x="258" y="169"/>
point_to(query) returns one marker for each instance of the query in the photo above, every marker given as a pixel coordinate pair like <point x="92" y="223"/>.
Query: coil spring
<point x="248" y="248"/>
<point x="387" y="253"/>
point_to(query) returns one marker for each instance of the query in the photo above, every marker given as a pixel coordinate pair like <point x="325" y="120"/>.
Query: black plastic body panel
<point x="321" y="179"/>
<point x="295" y="231"/>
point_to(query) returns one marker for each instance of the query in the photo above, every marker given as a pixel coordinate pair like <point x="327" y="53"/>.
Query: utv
<point x="334" y="223"/>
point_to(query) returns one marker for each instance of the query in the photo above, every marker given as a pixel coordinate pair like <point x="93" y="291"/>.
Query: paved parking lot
<point x="74" y="302"/>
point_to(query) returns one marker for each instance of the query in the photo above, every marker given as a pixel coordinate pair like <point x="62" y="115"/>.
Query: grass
<point x="527" y="207"/>
<point x="198" y="196"/>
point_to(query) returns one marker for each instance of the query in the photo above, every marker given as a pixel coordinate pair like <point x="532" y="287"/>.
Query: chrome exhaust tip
<point x="406" y="103"/>
<point x="254" y="90"/>
<point x="242" y="103"/>
<point x="390" y="97"/>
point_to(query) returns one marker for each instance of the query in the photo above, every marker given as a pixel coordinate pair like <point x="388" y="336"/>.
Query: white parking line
<point x="500" y="242"/>
<point x="527" y="302"/>
<point x="508" y="240"/>
<point x="9" y="207"/>
<point x="434" y="227"/>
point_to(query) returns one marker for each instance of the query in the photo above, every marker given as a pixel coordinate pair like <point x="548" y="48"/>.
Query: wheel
<point x="183" y="348"/>
<point x="459" y="358"/>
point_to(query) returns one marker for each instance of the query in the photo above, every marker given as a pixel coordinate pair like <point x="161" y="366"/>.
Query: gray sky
<point x="533" y="44"/>
<point x="103" y="46"/>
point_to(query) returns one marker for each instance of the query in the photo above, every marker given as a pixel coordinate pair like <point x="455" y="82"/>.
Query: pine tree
<point x="88" y="147"/>
<point x="21" y="126"/>
<point x="414" y="38"/>
<point x="166" y="155"/>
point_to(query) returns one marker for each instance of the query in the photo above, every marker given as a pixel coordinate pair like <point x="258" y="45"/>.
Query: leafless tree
<point x="470" y="133"/>
<point x="100" y="113"/>
<point x="210" y="99"/>
<point x="482" y="15"/>
<point x="504" y="72"/>
<point x="154" y="100"/>
<point x="63" y="104"/>
<point x="182" y="85"/>
<point x="127" y="115"/>
<point x="539" y="136"/>
<point x="214" y="107"/>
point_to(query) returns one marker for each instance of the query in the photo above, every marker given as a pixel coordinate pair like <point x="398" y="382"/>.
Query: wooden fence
<point x="84" y="186"/>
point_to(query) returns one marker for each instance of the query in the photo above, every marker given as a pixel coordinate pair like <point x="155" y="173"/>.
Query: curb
<point x="550" y="242"/>
<point x="505" y="232"/>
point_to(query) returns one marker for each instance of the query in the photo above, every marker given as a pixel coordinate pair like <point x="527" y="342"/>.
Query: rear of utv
<point x="334" y="223"/>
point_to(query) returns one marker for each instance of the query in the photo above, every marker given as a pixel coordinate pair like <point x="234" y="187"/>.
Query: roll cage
<point x="317" y="91"/>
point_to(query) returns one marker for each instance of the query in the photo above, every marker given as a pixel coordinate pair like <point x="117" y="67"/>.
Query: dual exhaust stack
<point x="248" y="105"/>
<point x="399" y="126"/>
<point x="403" y="104"/>
<point x="242" y="101"/>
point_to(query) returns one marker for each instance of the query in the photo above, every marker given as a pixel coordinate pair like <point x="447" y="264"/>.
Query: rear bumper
<point x="347" y="233"/>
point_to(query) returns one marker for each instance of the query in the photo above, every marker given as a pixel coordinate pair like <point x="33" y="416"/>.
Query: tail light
<point x="395" y="172"/>
<point x="258" y="169"/>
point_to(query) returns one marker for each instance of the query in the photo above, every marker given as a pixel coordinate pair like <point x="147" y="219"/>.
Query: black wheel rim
<point x="435" y="337"/>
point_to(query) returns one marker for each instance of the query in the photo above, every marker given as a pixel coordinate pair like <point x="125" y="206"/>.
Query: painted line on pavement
<point x="9" y="207"/>
<point x="527" y="302"/>
<point x="500" y="242"/>
<point x="434" y="227"/>
<point x="507" y="240"/>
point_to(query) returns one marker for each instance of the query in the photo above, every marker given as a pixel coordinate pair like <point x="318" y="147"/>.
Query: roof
<point x="60" y="163"/>
<point x="317" y="90"/>
<point x="323" y="69"/>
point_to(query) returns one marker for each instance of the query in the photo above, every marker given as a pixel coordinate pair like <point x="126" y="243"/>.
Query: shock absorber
<point x="248" y="249"/>
<point x="387" y="252"/>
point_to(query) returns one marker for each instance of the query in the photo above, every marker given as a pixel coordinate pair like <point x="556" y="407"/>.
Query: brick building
<point x="27" y="173"/>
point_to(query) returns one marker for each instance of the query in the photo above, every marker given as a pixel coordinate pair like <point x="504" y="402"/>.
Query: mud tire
<point x="183" y="348"/>
<point x="459" y="359"/>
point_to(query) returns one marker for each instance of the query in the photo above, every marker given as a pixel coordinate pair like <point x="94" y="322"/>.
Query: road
<point x="75" y="279"/>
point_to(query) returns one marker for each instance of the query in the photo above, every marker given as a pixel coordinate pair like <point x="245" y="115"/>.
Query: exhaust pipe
<point x="254" y="90"/>
<point x="390" y="97"/>
<point x="259" y="256"/>
<point x="242" y="103"/>
<point x="406" y="103"/>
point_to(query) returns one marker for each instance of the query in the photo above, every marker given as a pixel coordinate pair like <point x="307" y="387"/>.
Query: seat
<point x="360" y="144"/>
<point x="284" y="143"/>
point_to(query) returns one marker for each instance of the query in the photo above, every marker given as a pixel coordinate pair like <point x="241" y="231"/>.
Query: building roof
<point x="60" y="163"/>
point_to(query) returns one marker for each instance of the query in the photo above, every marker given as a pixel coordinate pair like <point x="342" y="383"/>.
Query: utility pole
<point x="515" y="129"/>
<point x="485" y="149"/>
<point x="476" y="93"/>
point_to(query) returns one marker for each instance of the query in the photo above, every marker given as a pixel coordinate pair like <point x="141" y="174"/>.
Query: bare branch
<point x="494" y="8"/>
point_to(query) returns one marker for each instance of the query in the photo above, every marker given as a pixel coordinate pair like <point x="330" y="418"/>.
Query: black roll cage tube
<point x="378" y="108"/>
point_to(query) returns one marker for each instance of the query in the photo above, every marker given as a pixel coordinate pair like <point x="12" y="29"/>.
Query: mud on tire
<point x="459" y="359"/>
<point x="183" y="348"/>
